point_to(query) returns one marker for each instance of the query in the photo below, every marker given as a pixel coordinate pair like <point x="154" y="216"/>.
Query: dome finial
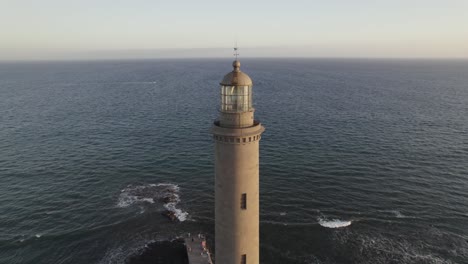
<point x="236" y="63"/>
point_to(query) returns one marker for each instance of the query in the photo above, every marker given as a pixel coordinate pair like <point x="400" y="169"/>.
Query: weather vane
<point x="235" y="51"/>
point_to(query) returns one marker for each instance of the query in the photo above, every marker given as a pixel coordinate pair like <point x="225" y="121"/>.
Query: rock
<point x="168" y="198"/>
<point x="171" y="215"/>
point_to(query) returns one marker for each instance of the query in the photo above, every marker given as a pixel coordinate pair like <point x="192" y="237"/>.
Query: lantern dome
<point x="236" y="77"/>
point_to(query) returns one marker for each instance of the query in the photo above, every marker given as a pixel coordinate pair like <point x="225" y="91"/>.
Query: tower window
<point x="244" y="201"/>
<point x="244" y="259"/>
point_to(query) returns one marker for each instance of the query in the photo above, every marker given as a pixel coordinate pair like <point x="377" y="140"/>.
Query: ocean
<point x="362" y="161"/>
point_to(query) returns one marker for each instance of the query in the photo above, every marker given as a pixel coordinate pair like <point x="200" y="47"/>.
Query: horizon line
<point x="233" y="58"/>
<point x="284" y="51"/>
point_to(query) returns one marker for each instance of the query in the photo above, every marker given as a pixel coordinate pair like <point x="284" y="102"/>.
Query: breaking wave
<point x="334" y="223"/>
<point x="165" y="193"/>
<point x="398" y="214"/>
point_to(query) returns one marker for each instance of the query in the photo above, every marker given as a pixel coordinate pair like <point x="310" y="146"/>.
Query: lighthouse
<point x="236" y="135"/>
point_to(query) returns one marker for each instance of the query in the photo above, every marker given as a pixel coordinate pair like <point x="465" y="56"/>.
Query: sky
<point x="96" y="29"/>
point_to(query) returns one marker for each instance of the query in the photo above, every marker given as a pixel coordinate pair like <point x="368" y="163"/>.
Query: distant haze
<point x="54" y="29"/>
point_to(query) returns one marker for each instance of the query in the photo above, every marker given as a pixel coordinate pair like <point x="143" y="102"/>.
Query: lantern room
<point x="236" y="91"/>
<point x="236" y="98"/>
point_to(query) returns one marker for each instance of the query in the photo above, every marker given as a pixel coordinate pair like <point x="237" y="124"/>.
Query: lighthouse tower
<point x="237" y="135"/>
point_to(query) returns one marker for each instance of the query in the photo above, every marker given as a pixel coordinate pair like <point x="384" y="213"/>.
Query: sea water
<point x="362" y="161"/>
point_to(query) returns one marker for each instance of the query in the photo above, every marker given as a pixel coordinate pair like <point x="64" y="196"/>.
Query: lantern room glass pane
<point x="236" y="98"/>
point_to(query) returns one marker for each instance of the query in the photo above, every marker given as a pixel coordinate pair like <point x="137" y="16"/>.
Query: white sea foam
<point x="181" y="215"/>
<point x="165" y="193"/>
<point x="398" y="214"/>
<point x="38" y="235"/>
<point x="125" y="200"/>
<point x="334" y="223"/>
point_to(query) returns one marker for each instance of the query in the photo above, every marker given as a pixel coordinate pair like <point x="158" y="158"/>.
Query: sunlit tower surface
<point x="237" y="135"/>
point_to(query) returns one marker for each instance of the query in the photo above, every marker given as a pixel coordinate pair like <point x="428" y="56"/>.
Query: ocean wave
<point x="165" y="193"/>
<point x="398" y="214"/>
<point x="334" y="223"/>
<point x="381" y="248"/>
<point x="25" y="238"/>
<point x="395" y="213"/>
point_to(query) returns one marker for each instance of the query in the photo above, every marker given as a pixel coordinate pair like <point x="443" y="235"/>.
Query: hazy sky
<point x="51" y="29"/>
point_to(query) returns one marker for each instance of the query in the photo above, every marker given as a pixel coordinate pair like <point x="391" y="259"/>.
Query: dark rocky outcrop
<point x="161" y="252"/>
<point x="171" y="215"/>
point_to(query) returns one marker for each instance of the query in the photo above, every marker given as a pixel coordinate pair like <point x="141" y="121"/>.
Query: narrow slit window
<point x="244" y="259"/>
<point x="244" y="201"/>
